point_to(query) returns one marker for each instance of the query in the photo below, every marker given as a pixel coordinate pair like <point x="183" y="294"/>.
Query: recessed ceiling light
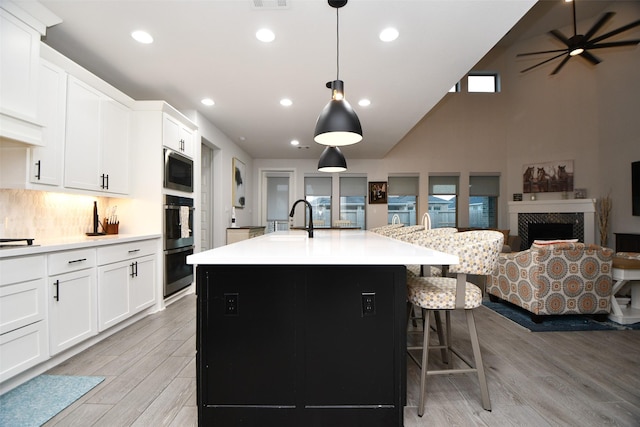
<point x="286" y="102"/>
<point x="265" y="35"/>
<point x="295" y="142"/>
<point x="208" y="102"/>
<point x="364" y="102"/>
<point x="142" y="37"/>
<point x="389" y="34"/>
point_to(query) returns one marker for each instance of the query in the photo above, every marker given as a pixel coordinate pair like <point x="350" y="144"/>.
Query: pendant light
<point x="332" y="160"/>
<point x="338" y="123"/>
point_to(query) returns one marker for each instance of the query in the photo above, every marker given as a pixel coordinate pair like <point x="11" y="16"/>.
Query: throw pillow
<point x="543" y="243"/>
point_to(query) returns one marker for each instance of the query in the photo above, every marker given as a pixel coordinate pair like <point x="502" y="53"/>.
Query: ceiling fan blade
<point x="542" y="51"/>
<point x="589" y="57"/>
<point x="598" y="25"/>
<point x="614" y="44"/>
<point x="614" y="32"/>
<point x="544" y="62"/>
<point x="560" y="65"/>
<point x="557" y="34"/>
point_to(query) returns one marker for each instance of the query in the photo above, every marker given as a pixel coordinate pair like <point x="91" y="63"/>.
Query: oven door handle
<point x="178" y="250"/>
<point x="177" y="207"/>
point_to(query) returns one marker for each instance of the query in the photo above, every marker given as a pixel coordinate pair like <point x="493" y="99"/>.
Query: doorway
<point x="277" y="195"/>
<point x="206" y="198"/>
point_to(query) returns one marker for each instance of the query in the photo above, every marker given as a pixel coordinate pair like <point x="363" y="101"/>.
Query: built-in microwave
<point x="178" y="171"/>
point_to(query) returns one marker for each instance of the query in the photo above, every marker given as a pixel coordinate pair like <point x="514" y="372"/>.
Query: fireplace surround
<point x="580" y="213"/>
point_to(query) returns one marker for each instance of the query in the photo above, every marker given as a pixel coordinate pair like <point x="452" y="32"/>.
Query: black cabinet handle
<point x="134" y="251"/>
<point x="132" y="274"/>
<point x="134" y="269"/>
<point x="38" y="173"/>
<point x="102" y="181"/>
<point x="57" y="286"/>
<point x="182" y="144"/>
<point x="107" y="187"/>
<point x="77" y="260"/>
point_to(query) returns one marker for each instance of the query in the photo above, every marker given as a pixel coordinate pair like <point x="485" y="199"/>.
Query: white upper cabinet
<point x="46" y="163"/>
<point x="97" y="140"/>
<point x="177" y="136"/>
<point x="20" y="56"/>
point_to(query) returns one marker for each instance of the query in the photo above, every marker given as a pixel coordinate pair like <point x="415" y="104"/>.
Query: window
<point x="483" y="82"/>
<point x="402" y="199"/>
<point x="353" y="195"/>
<point x="483" y="201"/>
<point x="317" y="191"/>
<point x="443" y="201"/>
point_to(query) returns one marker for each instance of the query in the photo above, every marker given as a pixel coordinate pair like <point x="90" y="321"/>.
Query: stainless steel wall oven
<point x="178" y="243"/>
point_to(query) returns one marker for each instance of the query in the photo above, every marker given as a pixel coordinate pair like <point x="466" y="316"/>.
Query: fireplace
<point x="567" y="219"/>
<point x="549" y="231"/>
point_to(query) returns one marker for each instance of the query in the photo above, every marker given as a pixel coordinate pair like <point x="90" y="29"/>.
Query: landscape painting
<point x="547" y="177"/>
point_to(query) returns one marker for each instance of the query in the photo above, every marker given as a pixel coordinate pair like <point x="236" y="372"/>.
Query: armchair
<point x="553" y="279"/>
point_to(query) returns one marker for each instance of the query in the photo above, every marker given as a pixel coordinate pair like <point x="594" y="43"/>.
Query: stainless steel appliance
<point x="178" y="171"/>
<point x="178" y="243"/>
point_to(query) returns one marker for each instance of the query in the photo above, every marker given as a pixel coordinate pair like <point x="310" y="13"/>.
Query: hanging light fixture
<point x="338" y="123"/>
<point x="332" y="160"/>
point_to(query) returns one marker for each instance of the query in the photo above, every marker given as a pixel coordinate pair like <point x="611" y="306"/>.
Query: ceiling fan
<point x="580" y="45"/>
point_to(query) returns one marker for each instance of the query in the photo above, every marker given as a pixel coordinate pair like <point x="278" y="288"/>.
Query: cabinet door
<point x="171" y="133"/>
<point x="142" y="287"/>
<point x="47" y="161"/>
<point x="113" y="293"/>
<point x="187" y="140"/>
<point x="72" y="309"/>
<point x="82" y="150"/>
<point x="115" y="120"/>
<point x="19" y="56"/>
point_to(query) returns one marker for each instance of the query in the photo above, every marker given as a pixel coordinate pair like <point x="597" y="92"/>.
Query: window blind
<point x="443" y="184"/>
<point x="403" y="185"/>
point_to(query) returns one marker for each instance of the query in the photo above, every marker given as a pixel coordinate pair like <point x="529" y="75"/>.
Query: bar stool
<point x="478" y="254"/>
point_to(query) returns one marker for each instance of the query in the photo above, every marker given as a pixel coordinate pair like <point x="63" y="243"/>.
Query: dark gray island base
<point x="301" y="345"/>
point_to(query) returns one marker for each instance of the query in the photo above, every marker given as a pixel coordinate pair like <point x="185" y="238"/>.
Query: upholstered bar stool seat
<point x="439" y="293"/>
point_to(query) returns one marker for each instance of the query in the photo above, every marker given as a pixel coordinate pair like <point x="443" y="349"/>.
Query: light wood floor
<point x="535" y="379"/>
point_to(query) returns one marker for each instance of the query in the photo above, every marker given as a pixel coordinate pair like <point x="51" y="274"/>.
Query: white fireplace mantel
<point x="585" y="206"/>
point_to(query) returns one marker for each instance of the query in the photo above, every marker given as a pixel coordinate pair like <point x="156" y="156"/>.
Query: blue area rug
<point x="567" y="322"/>
<point x="40" y="399"/>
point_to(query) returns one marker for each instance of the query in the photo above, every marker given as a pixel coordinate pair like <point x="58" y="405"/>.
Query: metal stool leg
<point x="423" y="368"/>
<point x="477" y="356"/>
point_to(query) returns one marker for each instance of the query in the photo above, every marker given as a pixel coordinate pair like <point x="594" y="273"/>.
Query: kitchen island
<point x="299" y="331"/>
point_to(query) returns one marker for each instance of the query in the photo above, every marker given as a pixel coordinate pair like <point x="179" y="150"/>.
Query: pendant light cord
<point x="337" y="43"/>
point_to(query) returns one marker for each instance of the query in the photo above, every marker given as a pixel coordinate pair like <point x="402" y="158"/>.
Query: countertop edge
<point x="79" y="242"/>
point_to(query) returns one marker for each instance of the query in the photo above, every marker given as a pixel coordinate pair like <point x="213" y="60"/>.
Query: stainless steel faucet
<point x="293" y="208"/>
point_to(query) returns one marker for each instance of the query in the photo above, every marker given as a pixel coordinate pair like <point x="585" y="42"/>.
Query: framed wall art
<point x="547" y="177"/>
<point x="238" y="181"/>
<point x="377" y="192"/>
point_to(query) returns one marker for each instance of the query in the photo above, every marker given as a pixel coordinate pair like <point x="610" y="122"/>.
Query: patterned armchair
<point x="560" y="278"/>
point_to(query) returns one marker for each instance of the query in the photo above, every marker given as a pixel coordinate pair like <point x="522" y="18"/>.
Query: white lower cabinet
<point x="23" y="324"/>
<point x="126" y="281"/>
<point x="72" y="298"/>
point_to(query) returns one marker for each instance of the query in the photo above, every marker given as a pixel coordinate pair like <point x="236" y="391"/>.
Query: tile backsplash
<point x="47" y="215"/>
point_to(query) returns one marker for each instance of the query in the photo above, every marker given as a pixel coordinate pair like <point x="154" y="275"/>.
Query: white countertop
<point x="75" y="242"/>
<point x="327" y="247"/>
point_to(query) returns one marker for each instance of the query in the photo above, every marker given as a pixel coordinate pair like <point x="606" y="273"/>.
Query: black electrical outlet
<point x="230" y="304"/>
<point x="368" y="303"/>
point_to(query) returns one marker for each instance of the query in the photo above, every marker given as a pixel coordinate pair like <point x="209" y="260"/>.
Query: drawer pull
<point x="57" y="295"/>
<point x="77" y="260"/>
<point x="132" y="251"/>
<point x="134" y="269"/>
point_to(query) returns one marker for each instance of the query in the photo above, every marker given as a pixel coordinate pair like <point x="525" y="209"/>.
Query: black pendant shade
<point x="338" y="124"/>
<point x="332" y="160"/>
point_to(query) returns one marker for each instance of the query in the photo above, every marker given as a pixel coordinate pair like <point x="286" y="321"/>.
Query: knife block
<point x="111" y="228"/>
